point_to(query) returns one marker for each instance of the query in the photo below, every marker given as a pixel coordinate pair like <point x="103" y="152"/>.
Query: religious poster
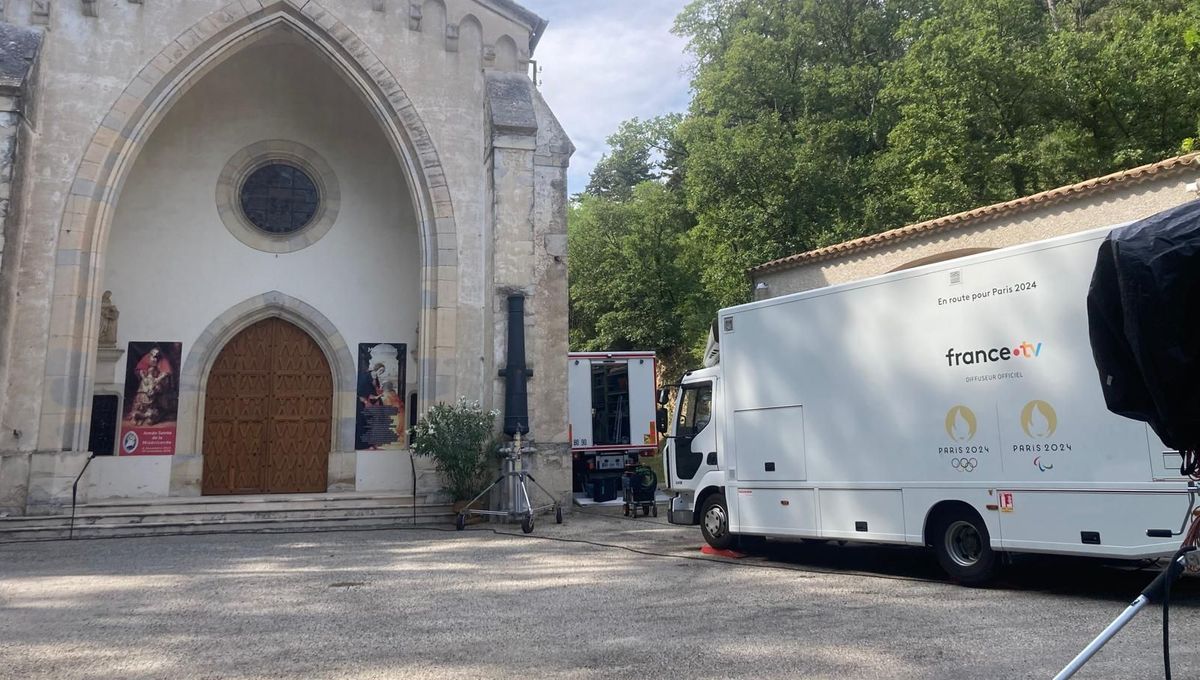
<point x="380" y="425"/>
<point x="151" y="399"/>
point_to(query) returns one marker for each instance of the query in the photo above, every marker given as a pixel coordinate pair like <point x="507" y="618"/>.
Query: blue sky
<point x="604" y="61"/>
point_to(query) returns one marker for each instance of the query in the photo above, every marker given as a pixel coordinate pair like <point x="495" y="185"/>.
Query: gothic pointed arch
<point x="114" y="147"/>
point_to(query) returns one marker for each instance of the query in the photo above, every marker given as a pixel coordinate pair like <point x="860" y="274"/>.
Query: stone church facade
<point x="231" y="229"/>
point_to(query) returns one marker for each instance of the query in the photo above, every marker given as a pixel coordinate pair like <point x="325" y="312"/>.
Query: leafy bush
<point x="459" y="439"/>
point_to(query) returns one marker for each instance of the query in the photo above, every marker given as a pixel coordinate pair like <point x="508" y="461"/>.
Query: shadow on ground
<point x="421" y="603"/>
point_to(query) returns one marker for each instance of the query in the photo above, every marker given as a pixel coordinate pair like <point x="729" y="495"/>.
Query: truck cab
<point x="694" y="462"/>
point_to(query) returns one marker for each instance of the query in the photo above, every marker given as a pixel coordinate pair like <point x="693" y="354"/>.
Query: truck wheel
<point x="714" y="523"/>
<point x="964" y="548"/>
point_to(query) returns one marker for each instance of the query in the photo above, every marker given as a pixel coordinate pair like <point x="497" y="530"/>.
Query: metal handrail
<point x="74" y="491"/>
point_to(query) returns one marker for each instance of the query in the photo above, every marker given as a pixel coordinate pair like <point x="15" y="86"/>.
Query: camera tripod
<point x="521" y="507"/>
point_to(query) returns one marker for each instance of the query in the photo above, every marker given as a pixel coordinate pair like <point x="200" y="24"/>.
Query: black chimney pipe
<point x="515" y="374"/>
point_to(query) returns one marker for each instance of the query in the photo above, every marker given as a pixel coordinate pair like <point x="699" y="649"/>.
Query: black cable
<point x="1189" y="464"/>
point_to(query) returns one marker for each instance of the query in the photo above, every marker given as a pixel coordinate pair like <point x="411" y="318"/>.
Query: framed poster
<point x="379" y="423"/>
<point x="151" y="399"/>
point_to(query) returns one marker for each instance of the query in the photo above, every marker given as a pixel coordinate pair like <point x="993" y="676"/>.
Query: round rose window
<point x="279" y="198"/>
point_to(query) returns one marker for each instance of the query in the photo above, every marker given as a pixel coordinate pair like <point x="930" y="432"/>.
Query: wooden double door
<point x="268" y="413"/>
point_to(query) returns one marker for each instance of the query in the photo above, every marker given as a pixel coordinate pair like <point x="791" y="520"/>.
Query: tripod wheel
<point x="558" y="515"/>
<point x="654" y="509"/>
<point x="527" y="524"/>
<point x="460" y="522"/>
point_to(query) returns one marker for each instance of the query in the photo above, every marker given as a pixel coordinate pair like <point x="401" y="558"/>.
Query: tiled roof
<point x="971" y="217"/>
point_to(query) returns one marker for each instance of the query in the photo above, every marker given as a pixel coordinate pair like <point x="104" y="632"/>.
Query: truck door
<point x="579" y="401"/>
<point x="693" y="450"/>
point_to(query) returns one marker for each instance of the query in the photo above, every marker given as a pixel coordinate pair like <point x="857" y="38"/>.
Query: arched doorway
<point x="268" y="413"/>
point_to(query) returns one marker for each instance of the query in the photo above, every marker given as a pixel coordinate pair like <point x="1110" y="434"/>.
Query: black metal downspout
<point x="516" y="373"/>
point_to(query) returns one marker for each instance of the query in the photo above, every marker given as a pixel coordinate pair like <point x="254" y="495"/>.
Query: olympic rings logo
<point x="965" y="464"/>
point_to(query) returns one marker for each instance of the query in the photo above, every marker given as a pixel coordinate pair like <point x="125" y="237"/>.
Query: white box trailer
<point x="954" y="405"/>
<point x="611" y="411"/>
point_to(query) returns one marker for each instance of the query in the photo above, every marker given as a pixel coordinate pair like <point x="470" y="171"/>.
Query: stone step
<point x="243" y="503"/>
<point x="331" y="522"/>
<point x="92" y="514"/>
<point x="145" y="517"/>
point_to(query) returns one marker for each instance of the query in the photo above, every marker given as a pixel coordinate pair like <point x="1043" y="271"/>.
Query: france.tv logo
<point x="1025" y="350"/>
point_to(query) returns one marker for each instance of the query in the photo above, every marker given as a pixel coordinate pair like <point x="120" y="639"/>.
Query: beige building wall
<point x="458" y="181"/>
<point x="1107" y="201"/>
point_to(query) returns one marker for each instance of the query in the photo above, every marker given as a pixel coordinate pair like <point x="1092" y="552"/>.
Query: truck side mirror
<point x="661" y="417"/>
<point x="664" y="396"/>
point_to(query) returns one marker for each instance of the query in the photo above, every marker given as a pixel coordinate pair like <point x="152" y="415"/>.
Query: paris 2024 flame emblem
<point x="1038" y="419"/>
<point x="961" y="424"/>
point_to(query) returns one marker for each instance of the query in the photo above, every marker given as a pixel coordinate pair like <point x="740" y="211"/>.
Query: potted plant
<point x="459" y="438"/>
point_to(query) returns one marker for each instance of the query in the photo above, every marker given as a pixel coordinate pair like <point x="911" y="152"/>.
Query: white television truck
<point x="954" y="405"/>
<point x="611" y="415"/>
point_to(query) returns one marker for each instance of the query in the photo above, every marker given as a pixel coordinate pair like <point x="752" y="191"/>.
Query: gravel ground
<point x="480" y="604"/>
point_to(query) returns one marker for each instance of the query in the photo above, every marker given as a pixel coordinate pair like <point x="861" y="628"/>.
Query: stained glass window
<point x="279" y="198"/>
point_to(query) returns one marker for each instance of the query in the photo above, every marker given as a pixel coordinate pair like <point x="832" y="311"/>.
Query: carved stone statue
<point x="108" y="321"/>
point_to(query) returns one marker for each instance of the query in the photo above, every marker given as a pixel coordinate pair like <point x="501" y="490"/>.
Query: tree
<point x="1004" y="98"/>
<point x="633" y="284"/>
<point x="784" y="123"/>
<point x="817" y="121"/>
<point x="639" y="151"/>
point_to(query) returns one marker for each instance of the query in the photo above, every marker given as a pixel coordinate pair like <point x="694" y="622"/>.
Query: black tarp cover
<point x="1144" y="322"/>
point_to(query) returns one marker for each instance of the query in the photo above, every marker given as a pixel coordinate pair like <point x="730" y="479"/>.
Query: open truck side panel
<point x="611" y="407"/>
<point x="861" y="411"/>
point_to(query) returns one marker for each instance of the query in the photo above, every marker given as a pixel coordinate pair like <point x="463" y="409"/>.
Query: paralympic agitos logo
<point x="1025" y="350"/>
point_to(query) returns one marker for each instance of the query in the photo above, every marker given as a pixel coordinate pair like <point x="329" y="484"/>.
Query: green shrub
<point x="459" y="438"/>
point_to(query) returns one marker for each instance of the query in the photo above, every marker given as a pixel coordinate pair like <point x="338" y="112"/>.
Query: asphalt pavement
<point x="599" y="597"/>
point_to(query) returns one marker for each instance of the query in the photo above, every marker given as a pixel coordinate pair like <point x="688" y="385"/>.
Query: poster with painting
<point x="379" y="423"/>
<point x="151" y="399"/>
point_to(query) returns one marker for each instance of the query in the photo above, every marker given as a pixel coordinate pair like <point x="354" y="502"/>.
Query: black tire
<point x="527" y="524"/>
<point x="460" y="521"/>
<point x="654" y="510"/>
<point x="714" y="523"/>
<point x="558" y="515"/>
<point x="626" y="509"/>
<point x="963" y="547"/>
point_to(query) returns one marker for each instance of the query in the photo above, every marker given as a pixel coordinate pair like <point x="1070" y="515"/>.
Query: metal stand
<point x="1126" y="616"/>
<point x="518" y="492"/>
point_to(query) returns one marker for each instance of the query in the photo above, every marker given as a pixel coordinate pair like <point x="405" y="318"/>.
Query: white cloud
<point x="607" y="61"/>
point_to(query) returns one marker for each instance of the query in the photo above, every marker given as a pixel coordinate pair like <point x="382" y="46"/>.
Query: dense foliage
<point x="458" y="437"/>
<point x="815" y="121"/>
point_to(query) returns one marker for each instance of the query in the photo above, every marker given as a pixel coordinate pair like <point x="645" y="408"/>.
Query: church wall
<point x="99" y="73"/>
<point x="101" y="55"/>
<point x="173" y="266"/>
